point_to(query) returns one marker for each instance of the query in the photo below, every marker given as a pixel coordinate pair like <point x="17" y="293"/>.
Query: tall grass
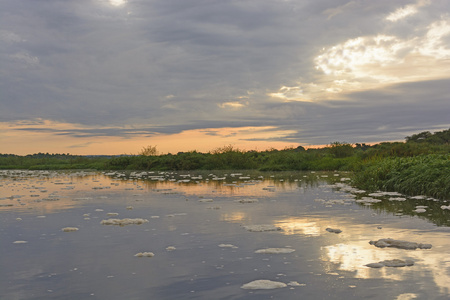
<point x="418" y="175"/>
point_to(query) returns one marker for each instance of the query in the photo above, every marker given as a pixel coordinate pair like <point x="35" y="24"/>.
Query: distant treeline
<point x="380" y="166"/>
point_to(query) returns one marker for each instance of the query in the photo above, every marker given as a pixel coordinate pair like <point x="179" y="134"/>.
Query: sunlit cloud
<point x="232" y="105"/>
<point x="331" y="12"/>
<point x="406" y="11"/>
<point x="290" y="93"/>
<point x="371" y="62"/>
<point x="402" y="13"/>
<point x="117" y="2"/>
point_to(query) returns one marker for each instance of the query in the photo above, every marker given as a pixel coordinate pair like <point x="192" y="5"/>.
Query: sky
<point x="113" y="76"/>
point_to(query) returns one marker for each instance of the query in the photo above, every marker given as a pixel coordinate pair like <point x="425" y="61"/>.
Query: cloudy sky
<point x="112" y="76"/>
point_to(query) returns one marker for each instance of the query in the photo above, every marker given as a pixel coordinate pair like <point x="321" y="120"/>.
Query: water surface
<point x="202" y="250"/>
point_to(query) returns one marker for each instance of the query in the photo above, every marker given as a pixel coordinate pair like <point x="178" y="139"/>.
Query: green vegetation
<point x="420" y="165"/>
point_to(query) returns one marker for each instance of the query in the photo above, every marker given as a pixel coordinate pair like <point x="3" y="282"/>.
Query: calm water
<point x="211" y="254"/>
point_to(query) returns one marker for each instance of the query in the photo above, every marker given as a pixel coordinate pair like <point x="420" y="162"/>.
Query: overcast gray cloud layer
<point x="171" y="65"/>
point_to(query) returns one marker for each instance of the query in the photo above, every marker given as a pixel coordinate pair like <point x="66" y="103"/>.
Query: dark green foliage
<point x="439" y="137"/>
<point x="341" y="150"/>
<point x="420" y="175"/>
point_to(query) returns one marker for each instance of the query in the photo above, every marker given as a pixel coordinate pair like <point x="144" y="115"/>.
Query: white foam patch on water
<point x="247" y="201"/>
<point x="227" y="246"/>
<point x="70" y="229"/>
<point x="333" y="230"/>
<point x="383" y="243"/>
<point x="144" y="254"/>
<point x="122" y="222"/>
<point x="396" y="263"/>
<point x="20" y="242"/>
<point x="275" y="250"/>
<point x="262" y="227"/>
<point x="263" y="284"/>
<point x="205" y="200"/>
<point x="295" y="283"/>
<point x="170" y="248"/>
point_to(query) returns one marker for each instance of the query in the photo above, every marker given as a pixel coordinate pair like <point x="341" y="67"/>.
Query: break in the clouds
<point x="303" y="72"/>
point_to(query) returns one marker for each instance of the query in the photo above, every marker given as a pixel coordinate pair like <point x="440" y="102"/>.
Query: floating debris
<point x="20" y="242"/>
<point x="263" y="284"/>
<point x="275" y="251"/>
<point x="144" y="254"/>
<point x="333" y="230"/>
<point x="112" y="214"/>
<point x="123" y="222"/>
<point x="383" y="243"/>
<point x="263" y="227"/>
<point x="170" y="248"/>
<point x="70" y="229"/>
<point x="396" y="263"/>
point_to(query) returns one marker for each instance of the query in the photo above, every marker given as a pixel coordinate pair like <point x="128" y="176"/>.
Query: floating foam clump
<point x="171" y="248"/>
<point x="275" y="250"/>
<point x="401" y="199"/>
<point x="123" y="222"/>
<point x="333" y="230"/>
<point x="227" y="246"/>
<point x="247" y="200"/>
<point x="206" y="200"/>
<point x="263" y="284"/>
<point x="144" y="254"/>
<point x="445" y="207"/>
<point x="420" y="210"/>
<point x="383" y="243"/>
<point x="368" y="200"/>
<point x="69" y="229"/>
<point x="263" y="227"/>
<point x="396" y="263"/>
<point x="112" y="214"/>
<point x="295" y="283"/>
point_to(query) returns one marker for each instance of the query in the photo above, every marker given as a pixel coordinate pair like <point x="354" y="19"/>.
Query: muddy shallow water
<point x="55" y="246"/>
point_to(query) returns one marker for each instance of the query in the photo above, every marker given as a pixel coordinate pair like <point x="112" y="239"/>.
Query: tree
<point x="149" y="151"/>
<point x="419" y="137"/>
<point x="341" y="150"/>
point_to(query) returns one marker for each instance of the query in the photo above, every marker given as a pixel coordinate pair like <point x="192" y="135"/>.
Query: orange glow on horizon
<point x="27" y="138"/>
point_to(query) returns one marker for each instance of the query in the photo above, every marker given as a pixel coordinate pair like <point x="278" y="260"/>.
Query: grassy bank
<point x="419" y="175"/>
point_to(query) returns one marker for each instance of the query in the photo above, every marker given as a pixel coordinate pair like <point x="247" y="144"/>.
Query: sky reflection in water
<point x="197" y="217"/>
